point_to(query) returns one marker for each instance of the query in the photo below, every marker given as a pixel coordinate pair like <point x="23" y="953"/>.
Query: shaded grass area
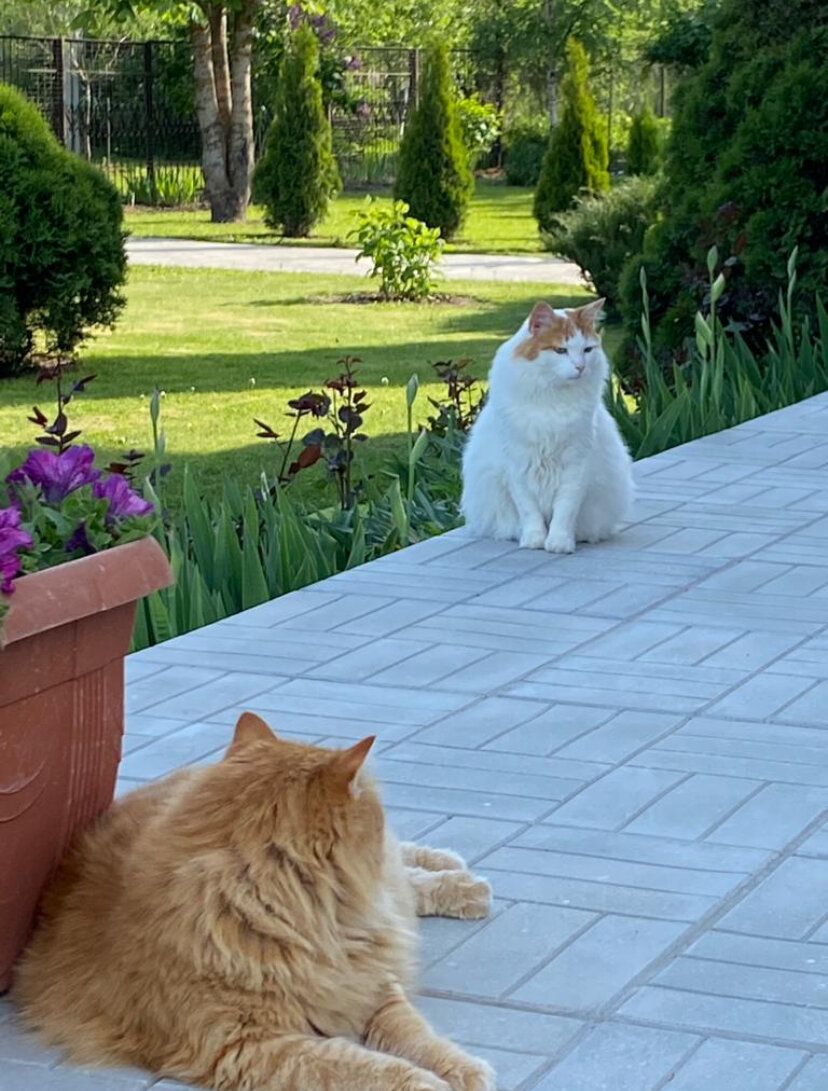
<point x="500" y="221"/>
<point x="228" y="346"/>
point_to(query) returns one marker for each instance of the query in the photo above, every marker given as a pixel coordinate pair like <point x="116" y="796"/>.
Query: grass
<point x="228" y="346"/>
<point x="500" y="221"/>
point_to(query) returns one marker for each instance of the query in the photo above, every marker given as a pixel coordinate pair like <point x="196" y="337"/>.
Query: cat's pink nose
<point x="579" y="367"/>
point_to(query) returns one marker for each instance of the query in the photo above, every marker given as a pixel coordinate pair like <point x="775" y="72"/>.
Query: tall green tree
<point x="577" y="160"/>
<point x="643" y="146"/>
<point x="746" y="171"/>
<point x="434" y="177"/>
<point x="297" y="174"/>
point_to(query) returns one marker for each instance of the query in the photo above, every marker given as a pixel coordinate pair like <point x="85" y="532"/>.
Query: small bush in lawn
<point x="479" y="126"/>
<point x="644" y="144"/>
<point x="62" y="259"/>
<point x="404" y="252"/>
<point x="602" y="232"/>
<point x="434" y="178"/>
<point x="577" y="159"/>
<point x="525" y="147"/>
<point x="297" y="174"/>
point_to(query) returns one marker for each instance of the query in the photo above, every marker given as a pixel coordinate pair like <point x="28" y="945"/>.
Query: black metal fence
<point x="129" y="107"/>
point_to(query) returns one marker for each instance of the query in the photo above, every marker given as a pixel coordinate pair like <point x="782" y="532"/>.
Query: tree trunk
<point x="222" y="62"/>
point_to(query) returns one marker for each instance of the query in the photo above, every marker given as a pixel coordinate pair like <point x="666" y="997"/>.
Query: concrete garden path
<point x="630" y="742"/>
<point x="328" y="259"/>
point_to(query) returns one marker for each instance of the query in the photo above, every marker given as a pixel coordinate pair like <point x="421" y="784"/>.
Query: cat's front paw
<point x="532" y="537"/>
<point x="471" y="1074"/>
<point x="424" y="1081"/>
<point x="471" y="896"/>
<point x="559" y="541"/>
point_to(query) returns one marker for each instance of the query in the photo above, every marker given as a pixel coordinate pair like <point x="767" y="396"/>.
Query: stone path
<point x="538" y="268"/>
<point x="629" y="742"/>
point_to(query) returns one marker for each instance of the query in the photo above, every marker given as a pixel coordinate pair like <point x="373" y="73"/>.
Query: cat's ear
<point x="347" y="763"/>
<point x="589" y="316"/>
<point x="542" y="317"/>
<point x="251" y="728"/>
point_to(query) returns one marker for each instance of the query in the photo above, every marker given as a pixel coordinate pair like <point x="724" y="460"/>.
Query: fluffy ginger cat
<point x="544" y="463"/>
<point x="250" y="925"/>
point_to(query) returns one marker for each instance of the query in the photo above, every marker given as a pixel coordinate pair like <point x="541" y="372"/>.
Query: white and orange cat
<point x="247" y="925"/>
<point x="544" y="463"/>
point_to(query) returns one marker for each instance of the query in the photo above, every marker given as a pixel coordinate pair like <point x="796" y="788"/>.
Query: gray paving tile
<point x="550" y="730"/>
<point x="779" y="1023"/>
<point x="620" y="1058"/>
<point x="778" y="813"/>
<point x="813" y="1077"/>
<point x="496" y="1025"/>
<point x="430" y="665"/>
<point x="745" y="982"/>
<point x="599" y="963"/>
<point x="617" y="798"/>
<point x="765" y="696"/>
<point x="791" y="901"/>
<point x="481" y="722"/>
<point x="737" y="1066"/>
<point x="472" y="837"/>
<point x="362" y="663"/>
<point x="620" y="737"/>
<point x="497" y="957"/>
<point x="745" y="950"/>
<point x="694" y="806"/>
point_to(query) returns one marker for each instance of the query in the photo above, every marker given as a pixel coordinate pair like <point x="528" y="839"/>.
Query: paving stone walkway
<point x="538" y="268"/>
<point x="630" y="742"/>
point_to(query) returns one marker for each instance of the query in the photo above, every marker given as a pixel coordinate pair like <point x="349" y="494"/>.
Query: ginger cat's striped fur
<point x="250" y="924"/>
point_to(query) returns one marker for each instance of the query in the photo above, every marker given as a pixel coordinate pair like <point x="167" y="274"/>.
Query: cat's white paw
<point x="532" y="538"/>
<point x="471" y="1074"/>
<point x="558" y="541"/>
<point x="444" y="860"/>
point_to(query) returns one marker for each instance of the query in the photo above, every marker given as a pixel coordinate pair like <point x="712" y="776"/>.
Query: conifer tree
<point x="577" y="158"/>
<point x="642" y="147"/>
<point x="297" y="174"/>
<point x="434" y="177"/>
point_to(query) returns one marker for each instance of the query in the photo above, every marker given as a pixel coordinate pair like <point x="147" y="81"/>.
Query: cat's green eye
<point x="561" y="351"/>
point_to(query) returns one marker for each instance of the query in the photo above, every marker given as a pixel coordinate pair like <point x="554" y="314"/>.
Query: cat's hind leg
<point x="431" y="859"/>
<point x="452" y="893"/>
<point x="398" y="1028"/>
<point x="298" y="1062"/>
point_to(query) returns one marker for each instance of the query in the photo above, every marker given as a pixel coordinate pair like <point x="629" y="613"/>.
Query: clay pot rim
<point x="90" y="585"/>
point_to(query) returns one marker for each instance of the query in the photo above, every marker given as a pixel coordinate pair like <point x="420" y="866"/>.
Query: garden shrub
<point x="62" y="259"/>
<point x="644" y="144"/>
<point x="745" y="171"/>
<point x="403" y="251"/>
<point x="434" y="178"/>
<point x="479" y="127"/>
<point x="297" y="173"/>
<point x="603" y="231"/>
<point x="577" y="158"/>
<point x="525" y="147"/>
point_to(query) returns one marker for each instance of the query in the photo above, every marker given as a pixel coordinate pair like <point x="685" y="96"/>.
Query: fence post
<point x="149" y="121"/>
<point x="413" y="77"/>
<point x="58" y="100"/>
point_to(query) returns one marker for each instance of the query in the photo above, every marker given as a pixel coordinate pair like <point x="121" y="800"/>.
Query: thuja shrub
<point x="434" y="177"/>
<point x="577" y="159"/>
<point x="62" y="260"/>
<point x="297" y="175"/>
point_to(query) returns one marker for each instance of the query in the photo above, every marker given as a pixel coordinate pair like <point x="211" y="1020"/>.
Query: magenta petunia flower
<point x="12" y="539"/>
<point x="58" y="475"/>
<point x="123" y="500"/>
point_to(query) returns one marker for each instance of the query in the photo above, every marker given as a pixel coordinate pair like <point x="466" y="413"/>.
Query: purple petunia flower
<point x="79" y="539"/>
<point x="123" y="500"/>
<point x="12" y="538"/>
<point x="354" y="64"/>
<point x="58" y="475"/>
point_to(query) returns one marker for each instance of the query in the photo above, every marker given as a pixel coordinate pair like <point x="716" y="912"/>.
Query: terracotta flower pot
<point x="62" y="714"/>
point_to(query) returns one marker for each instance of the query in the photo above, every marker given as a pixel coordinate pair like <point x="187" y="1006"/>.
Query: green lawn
<point x="500" y="221"/>
<point x="229" y="346"/>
